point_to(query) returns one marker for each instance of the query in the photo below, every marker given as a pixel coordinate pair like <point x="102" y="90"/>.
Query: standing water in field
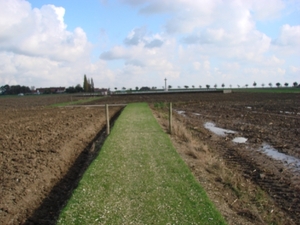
<point x="217" y="130"/>
<point x="288" y="160"/>
<point x="240" y="140"/>
<point x="223" y="132"/>
<point x="180" y="112"/>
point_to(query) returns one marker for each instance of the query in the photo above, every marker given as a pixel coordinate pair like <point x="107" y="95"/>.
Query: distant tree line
<point x="88" y="84"/>
<point x="75" y="89"/>
<point x="14" y="89"/>
<point x="278" y="85"/>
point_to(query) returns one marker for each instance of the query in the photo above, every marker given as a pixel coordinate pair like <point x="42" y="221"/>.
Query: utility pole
<point x="166" y="88"/>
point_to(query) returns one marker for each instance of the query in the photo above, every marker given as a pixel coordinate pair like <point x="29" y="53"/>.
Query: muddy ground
<point x="38" y="146"/>
<point x="264" y="119"/>
<point x="269" y="121"/>
<point x="29" y="101"/>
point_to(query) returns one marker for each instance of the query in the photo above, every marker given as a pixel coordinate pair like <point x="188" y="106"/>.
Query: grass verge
<point x="139" y="178"/>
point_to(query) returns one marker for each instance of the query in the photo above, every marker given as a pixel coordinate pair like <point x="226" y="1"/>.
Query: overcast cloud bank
<point x="198" y="43"/>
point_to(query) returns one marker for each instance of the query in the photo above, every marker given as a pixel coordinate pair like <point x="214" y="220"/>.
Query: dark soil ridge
<point x="280" y="183"/>
<point x="48" y="212"/>
<point x="278" y="188"/>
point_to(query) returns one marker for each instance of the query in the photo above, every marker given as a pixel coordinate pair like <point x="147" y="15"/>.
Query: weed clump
<point x="160" y="105"/>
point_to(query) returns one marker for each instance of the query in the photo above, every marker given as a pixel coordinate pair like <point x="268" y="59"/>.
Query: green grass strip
<point x="139" y="178"/>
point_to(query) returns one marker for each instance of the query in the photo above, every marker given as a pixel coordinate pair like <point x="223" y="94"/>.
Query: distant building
<point x="34" y="92"/>
<point x="103" y="91"/>
<point x="51" y="90"/>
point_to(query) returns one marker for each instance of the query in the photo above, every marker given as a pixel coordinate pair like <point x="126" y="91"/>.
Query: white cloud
<point x="136" y="36"/>
<point x="216" y="41"/>
<point x="280" y="71"/>
<point x="231" y="66"/>
<point x="295" y="69"/>
<point x="187" y="15"/>
<point x="44" y="72"/>
<point x="264" y="9"/>
<point x="201" y="42"/>
<point x="117" y="52"/>
<point x="274" y="61"/>
<point x="289" y="35"/>
<point x="197" y="66"/>
<point x="143" y="64"/>
<point x="206" y="65"/>
<point x="288" y="43"/>
<point x="40" y="32"/>
<point x="190" y="15"/>
<point x="139" y="36"/>
<point x="36" y="47"/>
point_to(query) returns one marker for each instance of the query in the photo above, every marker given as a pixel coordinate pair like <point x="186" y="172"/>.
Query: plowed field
<point x="38" y="145"/>
<point x="37" y="148"/>
<point x="271" y="124"/>
<point x="17" y="102"/>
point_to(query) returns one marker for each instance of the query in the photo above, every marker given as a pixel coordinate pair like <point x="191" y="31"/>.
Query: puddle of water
<point x="240" y="140"/>
<point x="180" y="112"/>
<point x="286" y="112"/>
<point x="217" y="130"/>
<point x="197" y="114"/>
<point x="248" y="107"/>
<point x="286" y="159"/>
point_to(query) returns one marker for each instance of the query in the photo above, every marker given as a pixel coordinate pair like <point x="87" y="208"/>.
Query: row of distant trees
<point x="295" y="84"/>
<point x="88" y="86"/>
<point x="75" y="89"/>
<point x="14" y="89"/>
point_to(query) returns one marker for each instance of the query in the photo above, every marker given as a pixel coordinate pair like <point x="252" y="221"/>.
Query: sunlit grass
<point x="139" y="178"/>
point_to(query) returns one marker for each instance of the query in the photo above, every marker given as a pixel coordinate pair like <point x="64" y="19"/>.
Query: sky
<point x="136" y="43"/>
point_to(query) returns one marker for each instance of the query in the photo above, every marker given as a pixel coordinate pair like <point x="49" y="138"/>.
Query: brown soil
<point x="29" y="101"/>
<point x="247" y="186"/>
<point x="261" y="121"/>
<point x="38" y="146"/>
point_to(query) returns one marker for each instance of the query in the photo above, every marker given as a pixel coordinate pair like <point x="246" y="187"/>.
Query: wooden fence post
<point x="107" y="119"/>
<point x="170" y="118"/>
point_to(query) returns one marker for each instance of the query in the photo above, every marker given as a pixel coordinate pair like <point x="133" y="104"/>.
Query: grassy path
<point x="139" y="178"/>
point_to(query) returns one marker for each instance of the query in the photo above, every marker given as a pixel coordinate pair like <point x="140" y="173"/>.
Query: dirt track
<point x="38" y="146"/>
